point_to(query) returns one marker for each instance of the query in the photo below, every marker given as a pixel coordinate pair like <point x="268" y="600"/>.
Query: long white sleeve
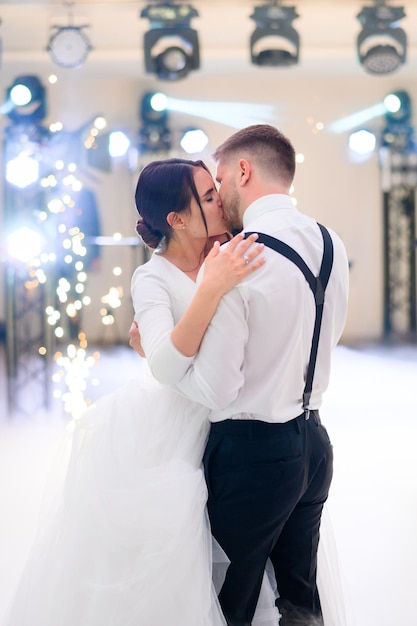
<point x="157" y="309"/>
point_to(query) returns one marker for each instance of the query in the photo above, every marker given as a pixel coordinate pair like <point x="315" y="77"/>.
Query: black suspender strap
<point x="318" y="286"/>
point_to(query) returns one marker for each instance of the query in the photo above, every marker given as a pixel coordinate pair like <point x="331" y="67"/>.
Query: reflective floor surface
<point x="371" y="415"/>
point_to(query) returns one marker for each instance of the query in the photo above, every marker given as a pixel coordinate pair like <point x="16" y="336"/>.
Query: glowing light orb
<point x="24" y="244"/>
<point x="22" y="171"/>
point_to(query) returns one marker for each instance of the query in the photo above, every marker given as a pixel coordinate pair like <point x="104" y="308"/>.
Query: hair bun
<point x="149" y="236"/>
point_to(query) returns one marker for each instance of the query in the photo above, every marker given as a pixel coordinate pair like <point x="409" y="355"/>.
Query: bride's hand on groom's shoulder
<point x="224" y="268"/>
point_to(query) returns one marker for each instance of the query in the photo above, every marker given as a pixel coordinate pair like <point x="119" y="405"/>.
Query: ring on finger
<point x="246" y="259"/>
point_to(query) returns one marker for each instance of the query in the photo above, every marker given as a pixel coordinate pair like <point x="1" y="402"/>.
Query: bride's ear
<point x="176" y="221"/>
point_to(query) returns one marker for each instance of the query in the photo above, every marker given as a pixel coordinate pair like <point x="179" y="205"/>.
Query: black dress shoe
<point x="292" y="615"/>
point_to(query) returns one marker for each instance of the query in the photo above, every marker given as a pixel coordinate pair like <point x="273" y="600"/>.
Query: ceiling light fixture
<point x="171" y="46"/>
<point x="381" y="44"/>
<point x="274" y="42"/>
<point x="69" y="46"/>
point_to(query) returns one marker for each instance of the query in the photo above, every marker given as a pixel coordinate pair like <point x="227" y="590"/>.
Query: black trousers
<point x="267" y="485"/>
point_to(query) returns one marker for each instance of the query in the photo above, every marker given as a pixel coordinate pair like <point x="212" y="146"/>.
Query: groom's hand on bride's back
<point x="135" y="341"/>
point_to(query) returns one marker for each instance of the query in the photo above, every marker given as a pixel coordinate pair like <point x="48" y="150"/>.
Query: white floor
<point x="370" y="411"/>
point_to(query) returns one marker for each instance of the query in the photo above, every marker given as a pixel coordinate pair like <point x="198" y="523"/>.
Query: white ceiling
<point x="328" y="31"/>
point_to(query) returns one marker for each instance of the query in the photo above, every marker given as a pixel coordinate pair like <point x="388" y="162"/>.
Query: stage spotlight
<point x="171" y="46"/>
<point x="194" y="140"/>
<point x="381" y="44"/>
<point x="26" y="100"/>
<point x="398" y="106"/>
<point x="274" y="42"/>
<point x="154" y="139"/>
<point x="69" y="46"/>
<point x="154" y="135"/>
<point x="154" y="108"/>
<point x="399" y="132"/>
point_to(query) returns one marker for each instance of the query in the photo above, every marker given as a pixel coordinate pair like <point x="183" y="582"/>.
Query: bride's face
<point x="211" y="206"/>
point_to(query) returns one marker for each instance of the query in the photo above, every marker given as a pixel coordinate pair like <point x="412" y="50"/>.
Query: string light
<point x="74" y="370"/>
<point x="67" y="245"/>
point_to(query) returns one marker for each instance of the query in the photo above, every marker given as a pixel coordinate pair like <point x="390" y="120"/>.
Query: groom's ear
<point x="175" y="220"/>
<point x="245" y="171"/>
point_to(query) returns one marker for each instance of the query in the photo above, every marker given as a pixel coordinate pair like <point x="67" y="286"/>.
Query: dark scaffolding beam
<point x="28" y="342"/>
<point x="399" y="182"/>
<point x="28" y="338"/>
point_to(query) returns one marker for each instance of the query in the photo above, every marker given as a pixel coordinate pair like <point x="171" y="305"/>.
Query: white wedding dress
<point x="124" y="537"/>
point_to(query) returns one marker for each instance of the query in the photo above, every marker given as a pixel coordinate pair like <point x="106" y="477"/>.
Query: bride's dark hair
<point x="164" y="186"/>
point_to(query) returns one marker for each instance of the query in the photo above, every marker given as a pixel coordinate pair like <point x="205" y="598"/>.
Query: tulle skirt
<point x="124" y="537"/>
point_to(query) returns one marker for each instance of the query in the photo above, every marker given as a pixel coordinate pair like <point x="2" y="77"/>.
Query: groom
<point x="268" y="460"/>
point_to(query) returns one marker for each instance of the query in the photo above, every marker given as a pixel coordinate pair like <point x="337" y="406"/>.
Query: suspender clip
<point x="306" y="401"/>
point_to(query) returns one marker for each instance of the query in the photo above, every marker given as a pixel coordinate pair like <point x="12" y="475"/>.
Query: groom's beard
<point x="231" y="208"/>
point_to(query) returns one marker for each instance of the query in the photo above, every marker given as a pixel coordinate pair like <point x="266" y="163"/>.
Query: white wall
<point x="328" y="186"/>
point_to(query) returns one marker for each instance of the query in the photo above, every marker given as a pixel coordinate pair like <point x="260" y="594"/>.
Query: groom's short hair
<point x="266" y="145"/>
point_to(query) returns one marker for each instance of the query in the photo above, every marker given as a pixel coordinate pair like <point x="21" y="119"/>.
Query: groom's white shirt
<point x="253" y="359"/>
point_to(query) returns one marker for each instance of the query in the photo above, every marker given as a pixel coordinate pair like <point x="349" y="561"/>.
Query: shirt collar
<point x="266" y="204"/>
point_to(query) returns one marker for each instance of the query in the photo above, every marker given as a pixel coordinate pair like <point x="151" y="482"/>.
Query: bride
<point x="125" y="539"/>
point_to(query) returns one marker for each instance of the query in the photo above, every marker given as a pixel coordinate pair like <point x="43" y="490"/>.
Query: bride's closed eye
<point x="211" y="196"/>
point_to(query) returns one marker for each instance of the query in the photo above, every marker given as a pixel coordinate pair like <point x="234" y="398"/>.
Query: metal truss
<point x="28" y="342"/>
<point x="28" y="338"/>
<point x="399" y="177"/>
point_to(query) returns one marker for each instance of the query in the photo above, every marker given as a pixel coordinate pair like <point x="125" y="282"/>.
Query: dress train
<point x="124" y="536"/>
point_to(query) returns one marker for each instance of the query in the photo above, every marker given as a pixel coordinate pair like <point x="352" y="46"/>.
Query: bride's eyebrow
<point x="207" y="193"/>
